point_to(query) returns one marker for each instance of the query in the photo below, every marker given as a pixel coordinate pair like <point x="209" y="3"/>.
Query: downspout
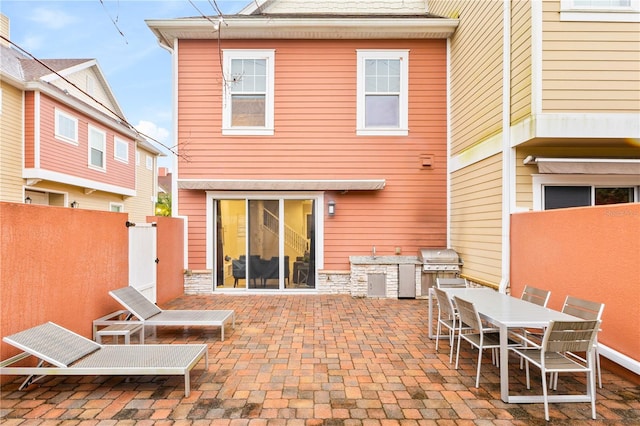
<point x="508" y="175"/>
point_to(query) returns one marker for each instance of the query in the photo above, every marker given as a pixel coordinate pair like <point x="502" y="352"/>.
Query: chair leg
<point x="597" y="355"/>
<point x="438" y="330"/>
<point x="458" y="350"/>
<point x="544" y="391"/>
<point x="452" y="340"/>
<point x="479" y="365"/>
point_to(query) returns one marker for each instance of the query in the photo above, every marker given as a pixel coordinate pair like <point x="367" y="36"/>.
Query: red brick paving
<point x="310" y="360"/>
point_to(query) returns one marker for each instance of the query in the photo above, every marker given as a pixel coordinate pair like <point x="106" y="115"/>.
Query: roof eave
<point x="167" y="30"/>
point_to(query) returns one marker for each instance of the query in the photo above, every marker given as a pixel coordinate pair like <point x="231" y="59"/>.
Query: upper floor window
<point x="66" y="127"/>
<point x="121" y="150"/>
<point x="149" y="162"/>
<point x="248" y="92"/>
<point x="383" y="92"/>
<point x="97" y="148"/>
<point x="600" y="10"/>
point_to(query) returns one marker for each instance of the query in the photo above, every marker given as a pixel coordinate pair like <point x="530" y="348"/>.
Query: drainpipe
<point x="508" y="170"/>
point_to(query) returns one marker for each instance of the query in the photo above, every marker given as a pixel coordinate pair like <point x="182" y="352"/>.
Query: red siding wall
<point x="592" y="253"/>
<point x="70" y="159"/>
<point x="315" y="125"/>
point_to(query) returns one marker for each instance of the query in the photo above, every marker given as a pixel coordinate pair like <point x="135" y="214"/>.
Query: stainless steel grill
<point x="439" y="260"/>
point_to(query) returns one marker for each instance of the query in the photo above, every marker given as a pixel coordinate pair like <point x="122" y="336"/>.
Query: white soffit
<point x="595" y="166"/>
<point x="282" y="185"/>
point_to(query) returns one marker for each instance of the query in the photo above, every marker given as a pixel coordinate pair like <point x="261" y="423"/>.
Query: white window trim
<point x="269" y="56"/>
<point x="540" y="181"/>
<point x="60" y="113"/>
<point x="119" y="205"/>
<point x="104" y="149"/>
<point x="119" y="141"/>
<point x="571" y="12"/>
<point x="403" y="128"/>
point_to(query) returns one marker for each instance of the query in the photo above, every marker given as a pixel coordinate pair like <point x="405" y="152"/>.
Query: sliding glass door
<point x="264" y="243"/>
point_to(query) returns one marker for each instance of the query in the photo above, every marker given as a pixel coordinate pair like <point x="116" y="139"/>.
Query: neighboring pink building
<point x="64" y="138"/>
<point x="309" y="142"/>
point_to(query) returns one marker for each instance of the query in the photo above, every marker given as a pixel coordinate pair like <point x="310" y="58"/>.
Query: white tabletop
<point x="500" y="308"/>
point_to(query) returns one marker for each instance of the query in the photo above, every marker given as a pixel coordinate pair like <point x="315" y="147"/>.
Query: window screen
<point x="557" y="197"/>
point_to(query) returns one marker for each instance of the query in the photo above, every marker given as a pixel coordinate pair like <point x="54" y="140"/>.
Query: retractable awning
<point x="282" y="185"/>
<point x="595" y="166"/>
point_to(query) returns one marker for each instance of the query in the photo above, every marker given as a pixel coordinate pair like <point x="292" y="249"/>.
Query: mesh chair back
<point x="468" y="313"/>
<point x="444" y="304"/>
<point x="536" y="295"/>
<point x="451" y="283"/>
<point x="53" y="344"/>
<point x="581" y="308"/>
<point x="135" y="302"/>
<point x="570" y="336"/>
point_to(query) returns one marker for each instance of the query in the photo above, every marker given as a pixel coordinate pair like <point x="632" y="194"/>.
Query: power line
<point x="115" y="114"/>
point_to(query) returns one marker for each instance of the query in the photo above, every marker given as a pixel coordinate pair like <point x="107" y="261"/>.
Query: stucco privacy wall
<point x="58" y="264"/>
<point x="589" y="252"/>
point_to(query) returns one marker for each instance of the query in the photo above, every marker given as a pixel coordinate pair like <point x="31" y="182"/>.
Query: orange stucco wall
<point x="315" y="138"/>
<point x="58" y="264"/>
<point x="592" y="253"/>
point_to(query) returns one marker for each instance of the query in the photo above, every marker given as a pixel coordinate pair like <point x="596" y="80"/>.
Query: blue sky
<point x="137" y="68"/>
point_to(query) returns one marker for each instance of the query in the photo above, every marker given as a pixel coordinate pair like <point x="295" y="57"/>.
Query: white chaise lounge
<point x="151" y="315"/>
<point x="62" y="352"/>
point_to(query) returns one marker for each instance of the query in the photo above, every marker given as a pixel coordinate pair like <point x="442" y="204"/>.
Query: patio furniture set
<point x="59" y="351"/>
<point x="553" y="341"/>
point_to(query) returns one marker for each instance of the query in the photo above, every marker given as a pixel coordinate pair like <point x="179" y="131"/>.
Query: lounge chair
<point x="65" y="353"/>
<point x="151" y="315"/>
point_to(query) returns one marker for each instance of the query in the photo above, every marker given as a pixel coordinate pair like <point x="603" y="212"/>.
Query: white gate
<point x="143" y="259"/>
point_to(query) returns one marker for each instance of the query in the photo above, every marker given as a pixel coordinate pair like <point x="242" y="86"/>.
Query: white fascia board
<point x="76" y="181"/>
<point x="573" y="125"/>
<point x="167" y="30"/>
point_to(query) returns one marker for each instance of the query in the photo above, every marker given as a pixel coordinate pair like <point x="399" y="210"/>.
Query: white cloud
<point x="31" y="43"/>
<point x="152" y="130"/>
<point x="51" y="19"/>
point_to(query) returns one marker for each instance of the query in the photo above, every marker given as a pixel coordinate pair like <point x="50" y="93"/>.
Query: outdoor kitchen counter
<point x="384" y="260"/>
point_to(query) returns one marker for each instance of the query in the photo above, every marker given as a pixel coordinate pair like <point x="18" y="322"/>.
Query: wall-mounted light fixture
<point x="27" y="200"/>
<point x="331" y="208"/>
<point x="74" y="204"/>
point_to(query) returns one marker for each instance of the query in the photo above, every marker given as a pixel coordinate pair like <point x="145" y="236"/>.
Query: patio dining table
<point x="507" y="312"/>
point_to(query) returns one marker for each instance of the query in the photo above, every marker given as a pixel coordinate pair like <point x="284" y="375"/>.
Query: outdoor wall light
<point x="74" y="204"/>
<point x="27" y="200"/>
<point x="331" y="208"/>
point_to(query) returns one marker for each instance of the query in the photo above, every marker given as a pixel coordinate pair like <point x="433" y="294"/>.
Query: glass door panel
<point x="265" y="244"/>
<point x="231" y="224"/>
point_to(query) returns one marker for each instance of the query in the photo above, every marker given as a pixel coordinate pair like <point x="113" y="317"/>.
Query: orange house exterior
<point x="342" y="190"/>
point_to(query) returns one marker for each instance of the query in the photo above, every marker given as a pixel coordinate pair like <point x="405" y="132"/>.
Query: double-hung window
<point x="248" y="92"/>
<point x="383" y="92"/>
<point x="66" y="127"/>
<point x="97" y="148"/>
<point x="121" y="150"/>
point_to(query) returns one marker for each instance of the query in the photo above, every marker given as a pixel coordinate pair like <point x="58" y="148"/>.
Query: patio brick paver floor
<point x="311" y="360"/>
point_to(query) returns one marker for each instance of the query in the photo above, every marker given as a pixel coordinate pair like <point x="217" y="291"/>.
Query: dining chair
<point x="451" y="283"/>
<point x="586" y="310"/>
<point x="527" y="336"/>
<point x="560" y="338"/>
<point x="447" y="317"/>
<point x="535" y="295"/>
<point x="479" y="336"/>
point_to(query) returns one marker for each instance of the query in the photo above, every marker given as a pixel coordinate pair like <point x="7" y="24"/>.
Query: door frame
<point x="210" y="228"/>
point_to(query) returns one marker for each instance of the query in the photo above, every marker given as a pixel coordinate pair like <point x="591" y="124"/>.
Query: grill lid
<point x="439" y="256"/>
